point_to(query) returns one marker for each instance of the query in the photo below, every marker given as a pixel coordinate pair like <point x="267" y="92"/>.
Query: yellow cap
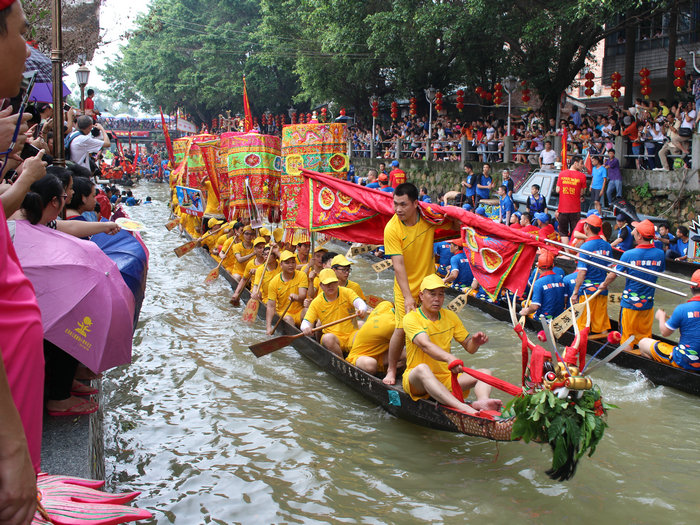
<point x="214" y="222"/>
<point x="327" y="276"/>
<point x="259" y="240"/>
<point x="340" y="260"/>
<point x="247" y="228"/>
<point x="286" y="255"/>
<point x="277" y="234"/>
<point x="264" y="232"/>
<point x="321" y="248"/>
<point x="432" y="282"/>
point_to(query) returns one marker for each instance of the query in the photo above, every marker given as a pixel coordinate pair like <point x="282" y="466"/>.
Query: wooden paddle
<point x="170" y="225"/>
<point x="568" y="317"/>
<point x="360" y="249"/>
<point x="373" y="300"/>
<point x="281" y="317"/>
<point x="251" y="308"/>
<point x="272" y="345"/>
<point x="458" y="303"/>
<point x="214" y="274"/>
<point x="191" y="245"/>
<point x="382" y="265"/>
<point x="521" y="321"/>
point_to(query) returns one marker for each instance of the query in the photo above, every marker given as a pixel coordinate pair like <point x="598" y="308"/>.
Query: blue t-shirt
<point x="598" y="174"/>
<point x="680" y="246"/>
<point x="484" y="193"/>
<point x="549" y="292"/>
<point x="506" y="206"/>
<point x="113" y="198"/>
<point x="131" y="201"/>
<point x="686" y="317"/>
<point x="426" y="198"/>
<point x="536" y="205"/>
<point x="460" y="262"/>
<point x="387" y="189"/>
<point x="628" y="241"/>
<point x="638" y="296"/>
<point x="470" y="192"/>
<point x="661" y="246"/>
<point x="570" y="283"/>
<point x="442" y="250"/>
<point x="594" y="275"/>
<point x="373" y="185"/>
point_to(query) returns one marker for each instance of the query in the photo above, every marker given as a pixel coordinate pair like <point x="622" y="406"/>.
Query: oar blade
<point x="382" y="265"/>
<point x="251" y="311"/>
<point x="373" y="300"/>
<point x="170" y="225"/>
<point x="458" y="303"/>
<point x="185" y="248"/>
<point x="213" y="275"/>
<point x="271" y="345"/>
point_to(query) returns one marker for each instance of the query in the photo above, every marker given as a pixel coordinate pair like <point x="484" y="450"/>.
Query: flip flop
<point x="89" y="392"/>
<point x="75" y="410"/>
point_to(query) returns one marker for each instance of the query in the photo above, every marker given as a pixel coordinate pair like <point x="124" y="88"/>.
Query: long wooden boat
<point x="393" y="399"/>
<point x="657" y="373"/>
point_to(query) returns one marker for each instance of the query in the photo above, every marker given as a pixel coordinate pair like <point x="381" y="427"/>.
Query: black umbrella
<point x="40" y="63"/>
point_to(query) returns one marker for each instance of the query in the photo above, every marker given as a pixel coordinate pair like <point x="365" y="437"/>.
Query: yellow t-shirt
<point x="279" y="291"/>
<point x="252" y="267"/>
<point x="269" y="274"/>
<point x="239" y="267"/>
<point x="212" y="208"/>
<point x="415" y="243"/>
<point x="210" y="241"/>
<point x="373" y="337"/>
<point x="441" y="332"/>
<point x="326" y="311"/>
<point x="355" y="288"/>
<point x="226" y="243"/>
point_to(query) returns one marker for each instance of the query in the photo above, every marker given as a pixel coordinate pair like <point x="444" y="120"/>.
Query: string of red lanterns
<point x="460" y="100"/>
<point x="394" y="110"/>
<point x="525" y="92"/>
<point x="438" y="102"/>
<point x="679" y="73"/>
<point x="588" y="84"/>
<point x="615" y="85"/>
<point x="413" y="107"/>
<point x="375" y="108"/>
<point x="497" y="93"/>
<point x="644" y="82"/>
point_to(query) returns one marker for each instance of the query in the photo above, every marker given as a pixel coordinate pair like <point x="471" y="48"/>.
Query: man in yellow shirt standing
<point x="333" y="303"/>
<point x="408" y="240"/>
<point x="430" y="330"/>
<point x="342" y="267"/>
<point x="287" y="287"/>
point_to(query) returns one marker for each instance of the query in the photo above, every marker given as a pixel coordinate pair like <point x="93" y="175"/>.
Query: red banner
<point x="248" y="123"/>
<point x="500" y="257"/>
<point x="168" y="142"/>
<point x="138" y="134"/>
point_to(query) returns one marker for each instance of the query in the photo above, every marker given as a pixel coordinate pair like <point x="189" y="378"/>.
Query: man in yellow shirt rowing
<point x="287" y="287"/>
<point x="333" y="303"/>
<point x="240" y="254"/>
<point x="342" y="268"/>
<point x="430" y="330"/>
<point x="250" y="268"/>
<point x="261" y="282"/>
<point x="369" y="349"/>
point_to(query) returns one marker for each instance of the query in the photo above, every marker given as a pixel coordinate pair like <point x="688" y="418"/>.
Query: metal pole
<point x="508" y="130"/>
<point x="628" y="276"/>
<point x="621" y="263"/>
<point x="372" y="145"/>
<point x="57" y="80"/>
<point x="82" y="99"/>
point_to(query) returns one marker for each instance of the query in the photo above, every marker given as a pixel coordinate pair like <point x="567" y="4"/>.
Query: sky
<point x="116" y="17"/>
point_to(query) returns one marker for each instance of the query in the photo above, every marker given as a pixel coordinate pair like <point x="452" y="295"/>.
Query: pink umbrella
<point x="86" y="307"/>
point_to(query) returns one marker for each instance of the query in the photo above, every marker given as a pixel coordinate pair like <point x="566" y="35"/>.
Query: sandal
<point x="81" y="409"/>
<point x="81" y="389"/>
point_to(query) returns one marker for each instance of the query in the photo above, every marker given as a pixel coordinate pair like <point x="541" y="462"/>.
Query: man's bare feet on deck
<point x="389" y="378"/>
<point x="487" y="404"/>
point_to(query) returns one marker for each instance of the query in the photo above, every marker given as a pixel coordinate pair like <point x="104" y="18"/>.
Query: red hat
<point x="383" y="177"/>
<point x="4" y="4"/>
<point x="645" y="228"/>
<point x="546" y="259"/>
<point x="696" y="277"/>
<point x="457" y="242"/>
<point x="594" y="221"/>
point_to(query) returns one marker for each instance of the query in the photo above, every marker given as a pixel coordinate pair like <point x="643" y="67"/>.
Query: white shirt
<point x="548" y="157"/>
<point x="81" y="146"/>
<point x="685" y="123"/>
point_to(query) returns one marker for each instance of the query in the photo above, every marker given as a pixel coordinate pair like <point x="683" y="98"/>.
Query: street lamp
<point x="373" y="104"/>
<point x="82" y="75"/>
<point x="510" y="83"/>
<point x="430" y="97"/>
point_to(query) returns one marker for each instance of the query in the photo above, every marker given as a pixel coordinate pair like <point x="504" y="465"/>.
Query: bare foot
<point x="487" y="404"/>
<point x="85" y="374"/>
<point x="72" y="405"/>
<point x="390" y="377"/>
<point x="81" y="389"/>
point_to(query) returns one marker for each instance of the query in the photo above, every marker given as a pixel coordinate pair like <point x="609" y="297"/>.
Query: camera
<point x="29" y="151"/>
<point x="95" y="132"/>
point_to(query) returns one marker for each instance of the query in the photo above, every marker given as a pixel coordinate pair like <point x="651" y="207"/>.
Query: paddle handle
<point x="327" y="325"/>
<point x="282" y="316"/>
<point x="267" y="261"/>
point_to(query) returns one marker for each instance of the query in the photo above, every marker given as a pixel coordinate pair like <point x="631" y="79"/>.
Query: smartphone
<point x="66" y="107"/>
<point x="29" y="151"/>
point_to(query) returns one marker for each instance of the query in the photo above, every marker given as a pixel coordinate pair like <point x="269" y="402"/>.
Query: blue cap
<point x="467" y="207"/>
<point x="518" y="214"/>
<point x="395" y="163"/>
<point x="544" y="217"/>
<point x="592" y="212"/>
<point x="621" y="217"/>
<point x="481" y="211"/>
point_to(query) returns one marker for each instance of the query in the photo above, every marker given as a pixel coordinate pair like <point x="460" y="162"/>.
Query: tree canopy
<point x="304" y="53"/>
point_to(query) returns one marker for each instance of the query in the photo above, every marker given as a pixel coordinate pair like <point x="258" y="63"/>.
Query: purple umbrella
<point x="43" y="92"/>
<point x="86" y="307"/>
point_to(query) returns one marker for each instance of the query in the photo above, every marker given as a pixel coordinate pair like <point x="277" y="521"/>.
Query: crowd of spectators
<point x="133" y="124"/>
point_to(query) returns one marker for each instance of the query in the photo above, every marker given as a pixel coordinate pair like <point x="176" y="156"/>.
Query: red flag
<point x="500" y="257"/>
<point x="136" y="157"/>
<point x="564" y="137"/>
<point x="588" y="163"/>
<point x="168" y="142"/>
<point x="248" y="123"/>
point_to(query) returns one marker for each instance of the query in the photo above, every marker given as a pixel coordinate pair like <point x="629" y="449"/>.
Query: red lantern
<point x="214" y="123"/>
<point x="479" y="91"/>
<point x="497" y="93"/>
<point x="294" y="118"/>
<point x="394" y="110"/>
<point x="679" y="73"/>
<point x="375" y="108"/>
<point x="488" y="96"/>
<point x="588" y="92"/>
<point x="644" y="82"/>
<point x="412" y="107"/>
<point x="616" y="76"/>
<point x="615" y="94"/>
<point x="525" y="97"/>
<point x="438" y="101"/>
<point x="589" y="75"/>
<point x="460" y="100"/>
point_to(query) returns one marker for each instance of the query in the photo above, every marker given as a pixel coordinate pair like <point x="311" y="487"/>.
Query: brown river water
<point x="210" y="434"/>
